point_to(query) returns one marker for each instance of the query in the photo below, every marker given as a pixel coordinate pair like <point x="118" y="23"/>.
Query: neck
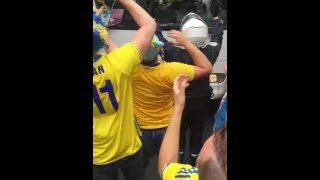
<point x="155" y="61"/>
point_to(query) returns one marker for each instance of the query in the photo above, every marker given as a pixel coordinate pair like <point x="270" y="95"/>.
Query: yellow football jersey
<point x="173" y="171"/>
<point x="152" y="92"/>
<point x="115" y="133"/>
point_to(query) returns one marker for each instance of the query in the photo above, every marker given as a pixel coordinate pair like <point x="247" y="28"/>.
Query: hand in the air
<point x="99" y="11"/>
<point x="179" y="86"/>
<point x="179" y="37"/>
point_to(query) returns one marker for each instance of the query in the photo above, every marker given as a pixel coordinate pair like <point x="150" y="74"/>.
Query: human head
<point x="212" y="160"/>
<point x="97" y="42"/>
<point x="99" y="34"/>
<point x="153" y="50"/>
<point x="195" y="29"/>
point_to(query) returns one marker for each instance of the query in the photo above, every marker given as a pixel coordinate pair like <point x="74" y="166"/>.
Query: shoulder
<point x="129" y="49"/>
<point x="136" y="71"/>
<point x="179" y="66"/>
<point x="175" y="64"/>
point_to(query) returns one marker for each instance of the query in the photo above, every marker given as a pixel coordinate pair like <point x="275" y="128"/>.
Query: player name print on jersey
<point x="98" y="70"/>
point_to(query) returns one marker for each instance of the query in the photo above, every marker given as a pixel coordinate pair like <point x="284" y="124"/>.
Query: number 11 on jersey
<point x="108" y="88"/>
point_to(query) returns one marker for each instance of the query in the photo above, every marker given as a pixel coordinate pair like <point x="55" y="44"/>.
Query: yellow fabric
<point x="152" y="92"/>
<point x="175" y="171"/>
<point x="114" y="131"/>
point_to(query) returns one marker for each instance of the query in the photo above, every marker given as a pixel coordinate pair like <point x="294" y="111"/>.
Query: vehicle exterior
<point x="218" y="79"/>
<point x="169" y="14"/>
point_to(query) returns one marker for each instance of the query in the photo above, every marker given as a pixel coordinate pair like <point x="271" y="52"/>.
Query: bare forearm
<point x="198" y="57"/>
<point x="170" y="145"/>
<point x="142" y="39"/>
<point x="140" y="16"/>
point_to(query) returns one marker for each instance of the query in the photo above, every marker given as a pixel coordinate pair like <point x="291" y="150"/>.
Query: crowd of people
<point x="143" y="105"/>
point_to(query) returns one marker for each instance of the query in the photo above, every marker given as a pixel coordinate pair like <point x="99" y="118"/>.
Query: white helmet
<point x="195" y="29"/>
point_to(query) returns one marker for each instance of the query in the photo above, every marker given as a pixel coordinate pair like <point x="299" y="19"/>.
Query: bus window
<point x="168" y="13"/>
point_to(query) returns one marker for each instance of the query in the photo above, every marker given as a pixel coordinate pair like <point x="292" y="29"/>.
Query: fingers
<point x="174" y="33"/>
<point x="177" y="82"/>
<point x="173" y="42"/>
<point x="179" y="78"/>
<point x="184" y="81"/>
<point x="99" y="12"/>
<point x="181" y="81"/>
<point x="185" y="76"/>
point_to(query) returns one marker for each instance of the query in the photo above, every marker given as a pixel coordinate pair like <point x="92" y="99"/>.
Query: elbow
<point x="209" y="70"/>
<point x="150" y="26"/>
<point x="153" y="26"/>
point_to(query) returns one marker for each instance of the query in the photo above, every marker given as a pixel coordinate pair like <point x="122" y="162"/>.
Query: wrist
<point x="187" y="44"/>
<point x="178" y="108"/>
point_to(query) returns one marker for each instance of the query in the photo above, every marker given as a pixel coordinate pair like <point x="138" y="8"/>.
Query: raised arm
<point x="167" y="46"/>
<point x="216" y="37"/>
<point x="170" y="145"/>
<point x="170" y="51"/>
<point x="202" y="66"/>
<point x="217" y="31"/>
<point x="217" y="26"/>
<point x="142" y="39"/>
<point x="107" y="40"/>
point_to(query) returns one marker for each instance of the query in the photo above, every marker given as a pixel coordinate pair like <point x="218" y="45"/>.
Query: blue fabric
<point x="97" y="19"/>
<point x="153" y="51"/>
<point x="221" y="115"/>
<point x="151" y="54"/>
<point x="151" y="143"/>
<point x="97" y="58"/>
<point x="97" y="42"/>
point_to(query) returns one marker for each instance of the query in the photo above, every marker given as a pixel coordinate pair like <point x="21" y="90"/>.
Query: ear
<point x="158" y="44"/>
